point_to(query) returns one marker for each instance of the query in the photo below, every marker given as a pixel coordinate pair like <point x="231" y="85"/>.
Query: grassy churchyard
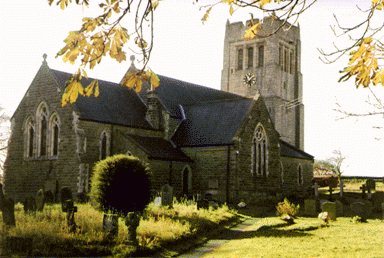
<point x="171" y="231"/>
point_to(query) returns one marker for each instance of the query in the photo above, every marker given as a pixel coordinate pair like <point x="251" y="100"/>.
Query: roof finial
<point x="45" y="58"/>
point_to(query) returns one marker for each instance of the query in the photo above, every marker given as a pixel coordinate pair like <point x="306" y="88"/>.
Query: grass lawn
<point x="271" y="237"/>
<point x="161" y="229"/>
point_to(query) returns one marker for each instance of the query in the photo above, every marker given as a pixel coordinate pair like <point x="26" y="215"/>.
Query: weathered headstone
<point x="330" y="207"/>
<point x="68" y="206"/>
<point x="310" y="207"/>
<point x="361" y="209"/>
<point x="339" y="208"/>
<point x="40" y="200"/>
<point x="7" y="206"/>
<point x="110" y="225"/>
<point x="363" y="188"/>
<point x="167" y="195"/>
<point x="49" y="197"/>
<point x="50" y="186"/>
<point x="157" y="201"/>
<point x="132" y="222"/>
<point x="29" y="204"/>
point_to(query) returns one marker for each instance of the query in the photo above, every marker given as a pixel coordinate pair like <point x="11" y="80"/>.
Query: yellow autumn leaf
<point x="72" y="92"/>
<point x="264" y="2"/>
<point x="92" y="88"/>
<point x="206" y="14"/>
<point x="251" y="32"/>
<point x="231" y="10"/>
<point x="378" y="4"/>
<point x="153" y="79"/>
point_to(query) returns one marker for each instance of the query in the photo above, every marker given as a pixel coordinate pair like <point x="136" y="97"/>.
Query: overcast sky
<point x="188" y="50"/>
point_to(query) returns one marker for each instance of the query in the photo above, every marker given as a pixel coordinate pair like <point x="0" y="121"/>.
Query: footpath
<point x="225" y="237"/>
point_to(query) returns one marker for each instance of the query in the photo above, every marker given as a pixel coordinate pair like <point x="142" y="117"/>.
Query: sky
<point x="188" y="50"/>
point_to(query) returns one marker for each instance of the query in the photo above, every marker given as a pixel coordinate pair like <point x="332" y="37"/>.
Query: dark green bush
<point x="120" y="184"/>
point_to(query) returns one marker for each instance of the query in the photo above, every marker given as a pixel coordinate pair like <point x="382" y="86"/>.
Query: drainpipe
<point x="170" y="173"/>
<point x="228" y="173"/>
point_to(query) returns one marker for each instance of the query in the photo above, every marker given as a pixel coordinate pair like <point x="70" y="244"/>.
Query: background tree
<point x="123" y="24"/>
<point x="4" y="134"/>
<point x="337" y="162"/>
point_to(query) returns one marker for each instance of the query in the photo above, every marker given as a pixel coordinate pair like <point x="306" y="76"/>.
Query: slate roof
<point x="115" y="104"/>
<point x="212" y="123"/>
<point x="158" y="148"/>
<point x="288" y="150"/>
<point x="173" y="93"/>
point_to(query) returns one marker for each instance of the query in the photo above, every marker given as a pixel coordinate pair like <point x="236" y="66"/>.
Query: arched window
<point x="54" y="129"/>
<point x="260" y="152"/>
<point x="29" y="138"/>
<point x="300" y="179"/>
<point x="186" y="177"/>
<point x="261" y="56"/>
<point x="104" y="145"/>
<point x="42" y="129"/>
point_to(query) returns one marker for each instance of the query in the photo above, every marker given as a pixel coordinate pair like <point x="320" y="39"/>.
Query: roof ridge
<point x="89" y="78"/>
<point x="217" y="101"/>
<point x="296" y="149"/>
<point x="200" y="86"/>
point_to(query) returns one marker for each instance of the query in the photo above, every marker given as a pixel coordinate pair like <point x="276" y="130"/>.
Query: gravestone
<point x="167" y="195"/>
<point x="157" y="201"/>
<point x="330" y="207"/>
<point x="49" y="197"/>
<point x="50" y="186"/>
<point x="361" y="209"/>
<point x="68" y="206"/>
<point x="132" y="221"/>
<point x="29" y="204"/>
<point x="310" y="207"/>
<point x="110" y="226"/>
<point x="40" y="200"/>
<point x="363" y="188"/>
<point x="339" y="208"/>
<point x="7" y="206"/>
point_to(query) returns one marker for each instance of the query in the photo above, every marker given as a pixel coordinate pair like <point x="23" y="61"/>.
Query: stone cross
<point x="341" y="188"/>
<point x="68" y="206"/>
<point x="316" y="189"/>
<point x="363" y="189"/>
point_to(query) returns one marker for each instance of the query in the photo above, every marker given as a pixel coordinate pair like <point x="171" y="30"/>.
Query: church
<point x="243" y="142"/>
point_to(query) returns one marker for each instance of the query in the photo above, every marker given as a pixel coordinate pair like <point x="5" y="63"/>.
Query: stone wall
<point x="25" y="176"/>
<point x="290" y="176"/>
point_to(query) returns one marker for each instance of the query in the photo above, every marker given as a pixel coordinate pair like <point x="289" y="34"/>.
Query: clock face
<point x="249" y="79"/>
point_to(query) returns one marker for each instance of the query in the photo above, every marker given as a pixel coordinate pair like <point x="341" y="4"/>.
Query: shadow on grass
<point x="277" y="230"/>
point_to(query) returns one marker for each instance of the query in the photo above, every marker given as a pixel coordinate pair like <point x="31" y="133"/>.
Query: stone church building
<point x="244" y="142"/>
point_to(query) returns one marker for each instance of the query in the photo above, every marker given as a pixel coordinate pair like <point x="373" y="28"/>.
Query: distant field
<point x="353" y="185"/>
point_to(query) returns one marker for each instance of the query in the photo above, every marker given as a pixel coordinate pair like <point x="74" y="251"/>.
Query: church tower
<point x="275" y="63"/>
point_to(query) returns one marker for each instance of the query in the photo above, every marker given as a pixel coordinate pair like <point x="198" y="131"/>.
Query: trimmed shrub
<point x="120" y="184"/>
<point x="287" y="208"/>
